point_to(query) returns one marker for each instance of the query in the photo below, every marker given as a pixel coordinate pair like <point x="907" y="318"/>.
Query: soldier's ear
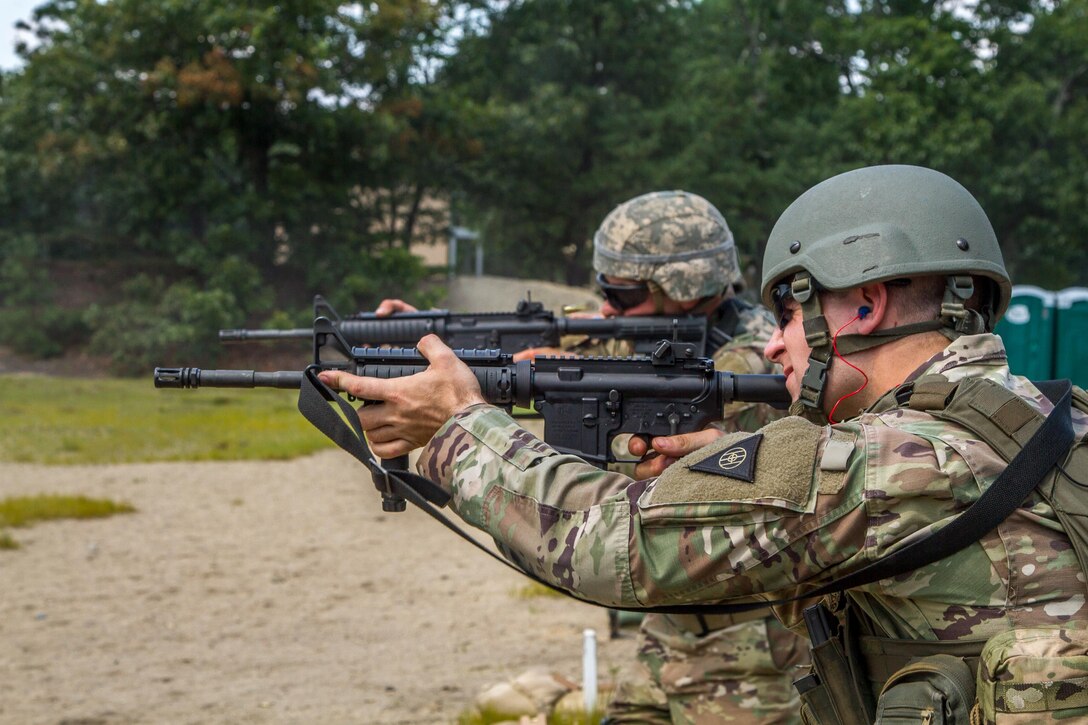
<point x="872" y="307"/>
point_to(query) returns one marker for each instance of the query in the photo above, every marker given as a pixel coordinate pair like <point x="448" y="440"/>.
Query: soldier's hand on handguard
<point x="411" y="409"/>
<point x="667" y="450"/>
<point x="531" y="353"/>
<point x="391" y="306"/>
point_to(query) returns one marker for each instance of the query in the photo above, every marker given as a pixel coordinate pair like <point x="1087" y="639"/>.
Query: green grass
<point x="533" y="590"/>
<point x="60" y="421"/>
<point x="581" y="718"/>
<point x="20" y="511"/>
<point x="475" y="717"/>
<point x="16" y="511"/>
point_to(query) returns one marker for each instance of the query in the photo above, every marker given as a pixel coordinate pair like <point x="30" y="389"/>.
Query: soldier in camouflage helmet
<point x="676" y="242"/>
<point x="670" y="252"/>
<point x="897" y="270"/>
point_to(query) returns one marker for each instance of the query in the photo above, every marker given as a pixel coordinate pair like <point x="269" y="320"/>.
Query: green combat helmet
<point x="675" y="240"/>
<point x="878" y="224"/>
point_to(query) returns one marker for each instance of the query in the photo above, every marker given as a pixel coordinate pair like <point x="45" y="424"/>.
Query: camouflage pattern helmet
<point x="675" y="239"/>
<point x="880" y="223"/>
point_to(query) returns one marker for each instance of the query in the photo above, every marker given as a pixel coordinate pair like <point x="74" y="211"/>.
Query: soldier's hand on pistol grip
<point x="666" y="450"/>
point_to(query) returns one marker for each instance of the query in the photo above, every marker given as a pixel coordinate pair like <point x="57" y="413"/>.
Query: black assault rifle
<point x="585" y="402"/>
<point x="529" y="325"/>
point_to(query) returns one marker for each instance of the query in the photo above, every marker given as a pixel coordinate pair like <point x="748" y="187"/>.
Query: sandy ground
<point x="261" y="593"/>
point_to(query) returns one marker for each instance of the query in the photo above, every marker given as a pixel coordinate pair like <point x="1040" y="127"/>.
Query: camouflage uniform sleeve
<point x="554" y="514"/>
<point x="710" y="528"/>
<point x="618" y="541"/>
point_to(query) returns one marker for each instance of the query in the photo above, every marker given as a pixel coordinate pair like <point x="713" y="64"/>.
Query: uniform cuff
<point x="436" y="460"/>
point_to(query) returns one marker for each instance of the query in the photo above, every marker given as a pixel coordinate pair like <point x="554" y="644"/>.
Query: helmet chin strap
<point x="818" y="337"/>
<point x="954" y="320"/>
<point x="658" y="295"/>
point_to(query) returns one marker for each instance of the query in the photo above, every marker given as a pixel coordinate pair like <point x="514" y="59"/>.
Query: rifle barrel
<point x="510" y="331"/>
<point x="660" y="327"/>
<point x="243" y="335"/>
<point x="751" y="388"/>
<point x="195" y="378"/>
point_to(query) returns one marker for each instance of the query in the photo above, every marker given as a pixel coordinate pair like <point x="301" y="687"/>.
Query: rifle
<point x="529" y="325"/>
<point x="585" y="402"/>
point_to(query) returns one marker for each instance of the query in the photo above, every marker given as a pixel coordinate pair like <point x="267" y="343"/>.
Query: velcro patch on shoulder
<point x="785" y="459"/>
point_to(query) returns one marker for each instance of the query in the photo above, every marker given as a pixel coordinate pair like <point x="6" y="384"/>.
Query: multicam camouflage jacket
<point x="765" y="515"/>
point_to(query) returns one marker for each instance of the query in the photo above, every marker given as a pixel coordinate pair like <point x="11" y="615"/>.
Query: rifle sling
<point x="722" y="325"/>
<point x="1024" y="472"/>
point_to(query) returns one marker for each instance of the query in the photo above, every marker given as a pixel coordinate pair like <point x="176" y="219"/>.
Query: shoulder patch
<point x="737" y="461"/>
<point x="784" y="464"/>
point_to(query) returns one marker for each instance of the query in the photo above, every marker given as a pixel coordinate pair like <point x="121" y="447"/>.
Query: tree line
<point x="217" y="163"/>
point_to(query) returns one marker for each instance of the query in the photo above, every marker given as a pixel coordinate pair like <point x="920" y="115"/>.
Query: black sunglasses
<point x="779" y="294"/>
<point x="623" y="296"/>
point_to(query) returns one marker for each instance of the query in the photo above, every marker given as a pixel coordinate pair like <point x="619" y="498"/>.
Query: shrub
<point x="393" y="272"/>
<point x="146" y="330"/>
<point x="43" y="331"/>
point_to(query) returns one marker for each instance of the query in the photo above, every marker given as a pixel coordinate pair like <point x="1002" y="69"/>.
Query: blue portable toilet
<point x="1071" y="348"/>
<point x="1028" y="332"/>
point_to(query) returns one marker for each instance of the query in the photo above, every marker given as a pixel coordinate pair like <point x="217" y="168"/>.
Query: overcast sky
<point x="11" y="11"/>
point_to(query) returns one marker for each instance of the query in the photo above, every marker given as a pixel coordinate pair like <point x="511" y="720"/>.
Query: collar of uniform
<point x="966" y="356"/>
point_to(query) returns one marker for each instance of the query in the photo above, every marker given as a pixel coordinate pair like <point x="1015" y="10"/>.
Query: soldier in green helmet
<point x="931" y="493"/>
<point x="672" y="253"/>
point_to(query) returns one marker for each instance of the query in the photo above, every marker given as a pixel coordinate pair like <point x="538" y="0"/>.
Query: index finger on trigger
<point x="638" y="446"/>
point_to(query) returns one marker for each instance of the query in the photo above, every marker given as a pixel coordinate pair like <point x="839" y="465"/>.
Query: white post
<point x="589" y="669"/>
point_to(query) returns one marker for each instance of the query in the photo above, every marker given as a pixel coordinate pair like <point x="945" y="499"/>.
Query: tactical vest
<point x="856" y="666"/>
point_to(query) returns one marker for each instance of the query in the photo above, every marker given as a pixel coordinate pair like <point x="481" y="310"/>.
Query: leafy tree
<point x="1035" y="180"/>
<point x="754" y="91"/>
<point x="253" y="135"/>
<point x="560" y="96"/>
<point x="994" y="97"/>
